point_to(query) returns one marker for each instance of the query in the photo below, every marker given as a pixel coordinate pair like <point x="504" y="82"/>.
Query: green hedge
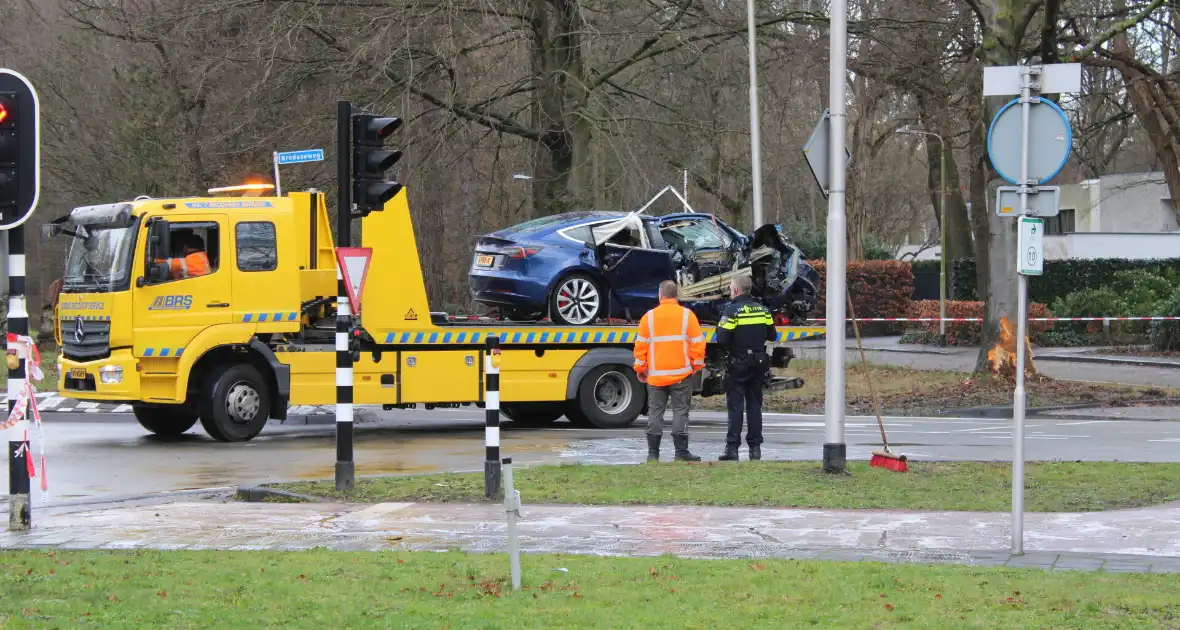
<point x="1063" y="277"/>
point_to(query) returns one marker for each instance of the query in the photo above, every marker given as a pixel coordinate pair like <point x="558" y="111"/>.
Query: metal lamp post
<point x="755" y="136"/>
<point x="941" y="228"/>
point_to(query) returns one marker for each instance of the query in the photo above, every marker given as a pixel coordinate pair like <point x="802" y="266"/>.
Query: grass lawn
<point x="48" y="367"/>
<point x="322" y="589"/>
<point x="967" y="486"/>
<point x="908" y="391"/>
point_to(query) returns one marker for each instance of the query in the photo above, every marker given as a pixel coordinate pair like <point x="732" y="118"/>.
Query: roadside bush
<point x="879" y="288"/>
<point x="1143" y="292"/>
<point x="968" y="333"/>
<point x="1128" y="293"/>
<point x="1063" y="277"/>
<point x="1064" y="338"/>
<point x="1165" y="336"/>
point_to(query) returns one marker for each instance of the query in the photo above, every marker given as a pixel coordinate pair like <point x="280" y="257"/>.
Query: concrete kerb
<point x="1138" y="362"/>
<point x="254" y="493"/>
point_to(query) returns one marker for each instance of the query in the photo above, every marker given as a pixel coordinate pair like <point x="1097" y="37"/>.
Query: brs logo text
<point x="172" y="303"/>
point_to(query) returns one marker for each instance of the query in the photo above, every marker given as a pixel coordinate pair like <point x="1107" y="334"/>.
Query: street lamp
<point x="941" y="227"/>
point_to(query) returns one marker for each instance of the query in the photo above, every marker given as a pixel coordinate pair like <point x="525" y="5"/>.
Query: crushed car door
<point x="634" y="270"/>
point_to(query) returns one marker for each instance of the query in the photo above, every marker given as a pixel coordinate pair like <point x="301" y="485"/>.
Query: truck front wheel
<point x="235" y="404"/>
<point x="165" y="421"/>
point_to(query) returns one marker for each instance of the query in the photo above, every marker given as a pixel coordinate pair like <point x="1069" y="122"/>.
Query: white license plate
<point x="484" y="261"/>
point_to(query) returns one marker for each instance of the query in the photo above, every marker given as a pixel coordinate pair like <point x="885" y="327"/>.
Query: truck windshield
<point x="101" y="261"/>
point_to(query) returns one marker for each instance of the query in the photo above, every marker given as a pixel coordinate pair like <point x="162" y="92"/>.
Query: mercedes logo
<point x="79" y="333"/>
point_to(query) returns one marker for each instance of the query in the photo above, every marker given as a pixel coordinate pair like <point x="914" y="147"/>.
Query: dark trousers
<point x="744" y="394"/>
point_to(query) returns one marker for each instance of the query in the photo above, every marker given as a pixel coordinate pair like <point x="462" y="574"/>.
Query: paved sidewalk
<point x="1145" y="540"/>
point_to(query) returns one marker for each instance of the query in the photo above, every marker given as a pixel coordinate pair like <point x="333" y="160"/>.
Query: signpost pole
<point x="835" y="450"/>
<point x="345" y="466"/>
<point x="278" y="184"/>
<point x="20" y="506"/>
<point x="1019" y="397"/>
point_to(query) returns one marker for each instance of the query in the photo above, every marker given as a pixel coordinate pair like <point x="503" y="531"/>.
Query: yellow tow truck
<point x="238" y="344"/>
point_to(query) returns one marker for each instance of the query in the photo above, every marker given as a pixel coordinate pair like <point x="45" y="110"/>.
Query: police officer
<point x="743" y="331"/>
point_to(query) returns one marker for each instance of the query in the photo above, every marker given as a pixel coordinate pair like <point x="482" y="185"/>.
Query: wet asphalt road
<point x="106" y="456"/>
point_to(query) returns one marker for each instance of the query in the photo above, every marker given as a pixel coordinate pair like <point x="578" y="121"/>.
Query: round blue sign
<point x="1050" y="140"/>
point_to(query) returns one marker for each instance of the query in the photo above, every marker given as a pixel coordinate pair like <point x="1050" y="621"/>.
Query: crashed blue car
<point x="580" y="267"/>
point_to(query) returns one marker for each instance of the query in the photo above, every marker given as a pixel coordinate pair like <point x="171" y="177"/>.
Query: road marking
<point x="1074" y="424"/>
<point x="1166" y="440"/>
<point x="121" y="409"/>
<point x="50" y="402"/>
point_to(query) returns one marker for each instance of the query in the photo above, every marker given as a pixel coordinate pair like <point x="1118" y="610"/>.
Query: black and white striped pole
<point x="20" y="507"/>
<point x="20" y="186"/>
<point x="345" y="466"/>
<point x="491" y="399"/>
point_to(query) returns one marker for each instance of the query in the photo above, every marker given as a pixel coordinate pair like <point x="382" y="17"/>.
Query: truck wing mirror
<point x="160" y="240"/>
<point x="159" y="250"/>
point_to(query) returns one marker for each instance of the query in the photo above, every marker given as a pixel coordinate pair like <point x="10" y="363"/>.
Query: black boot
<point x="653" y="448"/>
<point x="682" y="454"/>
<point x="730" y="455"/>
<point x="755" y="453"/>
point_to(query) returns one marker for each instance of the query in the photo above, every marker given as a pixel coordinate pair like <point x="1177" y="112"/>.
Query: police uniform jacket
<point x="745" y="327"/>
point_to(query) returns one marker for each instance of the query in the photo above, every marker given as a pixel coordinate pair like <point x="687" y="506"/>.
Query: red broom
<point x="880" y="459"/>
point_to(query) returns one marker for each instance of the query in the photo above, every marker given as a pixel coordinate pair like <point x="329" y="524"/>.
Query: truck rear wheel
<point x="165" y="421"/>
<point x="610" y="397"/>
<point x="236" y="403"/>
<point x="533" y="414"/>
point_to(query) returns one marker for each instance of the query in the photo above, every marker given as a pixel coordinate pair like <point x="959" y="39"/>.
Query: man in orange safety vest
<point x="669" y="348"/>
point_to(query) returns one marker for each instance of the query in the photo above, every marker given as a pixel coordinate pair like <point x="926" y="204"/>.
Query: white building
<point x="1114" y="216"/>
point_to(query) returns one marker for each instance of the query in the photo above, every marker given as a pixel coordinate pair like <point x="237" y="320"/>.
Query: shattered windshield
<point x="100" y="261"/>
<point x="692" y="234"/>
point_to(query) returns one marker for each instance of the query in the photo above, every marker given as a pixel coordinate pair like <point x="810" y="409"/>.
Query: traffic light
<point x="20" y="168"/>
<point x="370" y="159"/>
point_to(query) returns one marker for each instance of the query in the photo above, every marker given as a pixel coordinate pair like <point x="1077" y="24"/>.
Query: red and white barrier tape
<point x="26" y="401"/>
<point x="1031" y="319"/>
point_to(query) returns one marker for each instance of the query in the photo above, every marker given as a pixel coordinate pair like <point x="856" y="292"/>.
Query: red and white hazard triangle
<point x="354" y="266"/>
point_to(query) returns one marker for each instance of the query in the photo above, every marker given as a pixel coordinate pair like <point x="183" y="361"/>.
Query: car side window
<point x="257" y="246"/>
<point x="580" y="233"/>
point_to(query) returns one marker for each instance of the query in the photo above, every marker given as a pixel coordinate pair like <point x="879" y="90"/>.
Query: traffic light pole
<point x="345" y="466"/>
<point x="20" y="508"/>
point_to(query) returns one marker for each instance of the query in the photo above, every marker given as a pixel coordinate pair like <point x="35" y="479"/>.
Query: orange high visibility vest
<point x="191" y="266"/>
<point x="669" y="345"/>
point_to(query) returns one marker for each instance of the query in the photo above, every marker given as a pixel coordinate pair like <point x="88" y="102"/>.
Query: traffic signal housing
<point x="20" y="168"/>
<point x="371" y="190"/>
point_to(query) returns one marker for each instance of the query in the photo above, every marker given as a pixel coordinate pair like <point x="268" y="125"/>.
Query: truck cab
<point x="138" y="323"/>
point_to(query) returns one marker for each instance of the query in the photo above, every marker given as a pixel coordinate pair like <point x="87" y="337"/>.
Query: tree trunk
<point x="995" y="236"/>
<point x="1159" y="113"/>
<point x="562" y="176"/>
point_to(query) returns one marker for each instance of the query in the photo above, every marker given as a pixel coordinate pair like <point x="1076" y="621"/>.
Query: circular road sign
<point x="1050" y="139"/>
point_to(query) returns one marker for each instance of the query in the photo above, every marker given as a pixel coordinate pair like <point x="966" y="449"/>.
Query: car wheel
<point x="236" y="403"/>
<point x="166" y="421"/>
<point x="610" y="397"/>
<point x="533" y="414"/>
<point x="577" y="300"/>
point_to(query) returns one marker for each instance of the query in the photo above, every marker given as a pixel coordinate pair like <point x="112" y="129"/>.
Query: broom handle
<point x="868" y="378"/>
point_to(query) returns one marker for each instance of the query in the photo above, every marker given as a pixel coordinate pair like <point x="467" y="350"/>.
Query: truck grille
<point x="95" y="343"/>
